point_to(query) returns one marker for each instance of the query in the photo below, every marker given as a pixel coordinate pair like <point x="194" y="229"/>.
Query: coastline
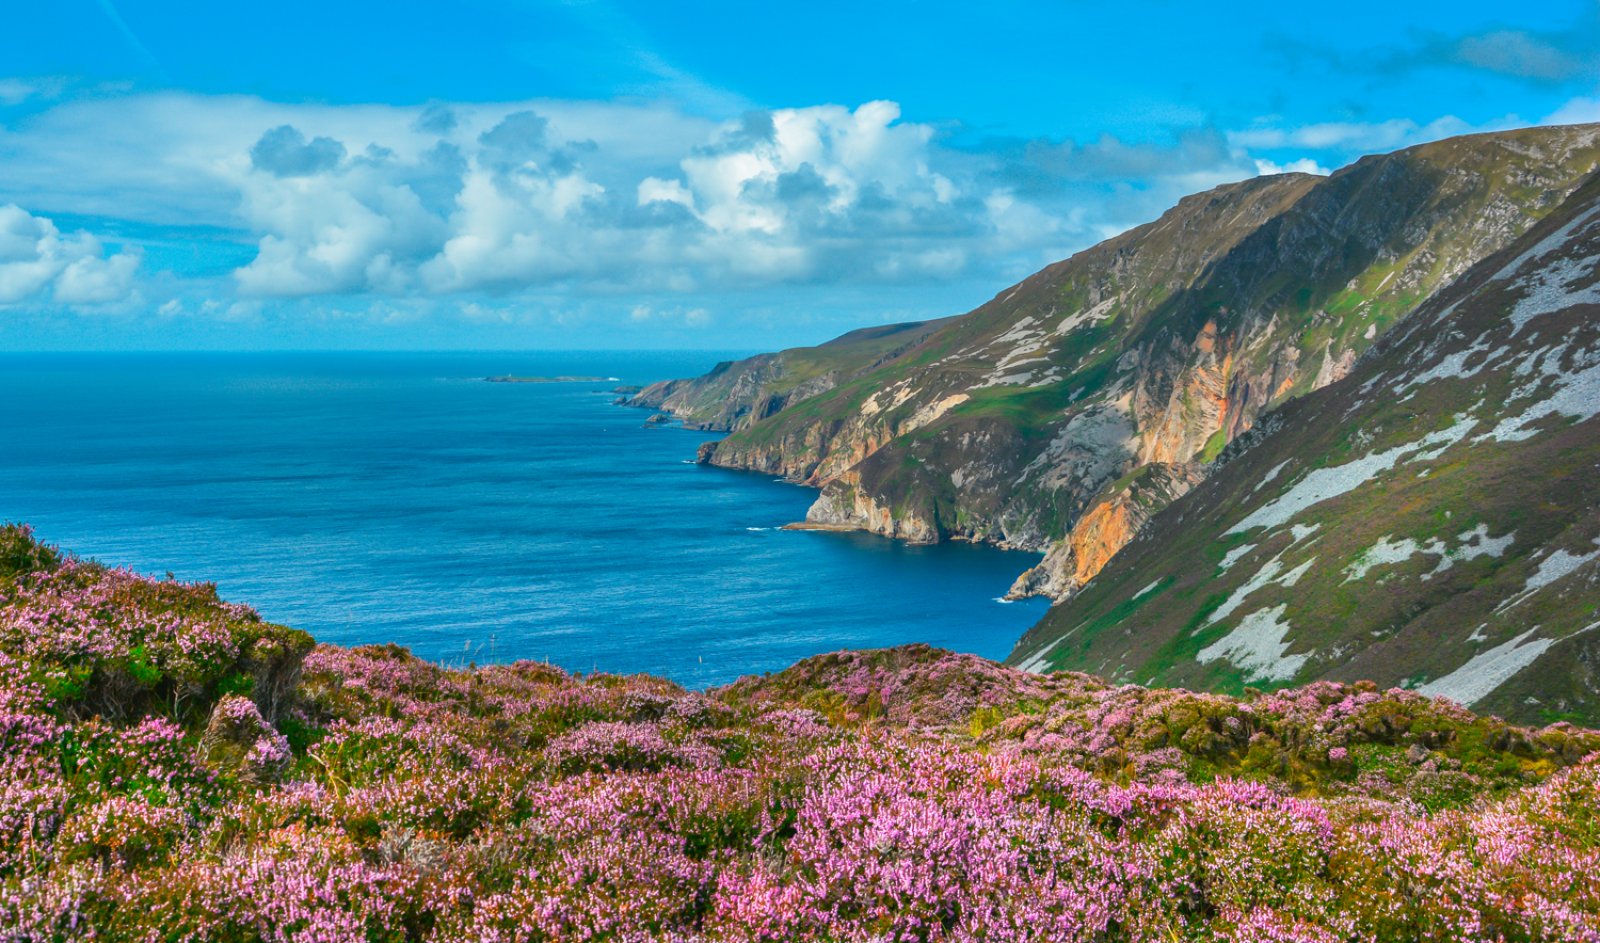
<point x="516" y="379"/>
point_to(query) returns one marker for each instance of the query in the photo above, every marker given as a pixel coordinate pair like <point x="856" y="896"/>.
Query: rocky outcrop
<point x="721" y="400"/>
<point x="845" y="507"/>
<point x="1114" y="519"/>
<point x="1156" y="348"/>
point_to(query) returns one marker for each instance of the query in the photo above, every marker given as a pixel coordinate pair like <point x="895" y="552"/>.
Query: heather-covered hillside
<point x="174" y="768"/>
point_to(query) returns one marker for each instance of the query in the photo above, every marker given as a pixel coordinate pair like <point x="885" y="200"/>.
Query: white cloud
<point x="585" y="200"/>
<point x="16" y="91"/>
<point x="798" y="194"/>
<point x="349" y="228"/>
<point x="585" y="197"/>
<point x="39" y="263"/>
<point x="1360" y="137"/>
<point x="656" y="190"/>
<point x="285" y="152"/>
<point x="1303" y="165"/>
<point x="1512" y="52"/>
<point x="91" y="279"/>
<point x="688" y="317"/>
<point x="1576" y="111"/>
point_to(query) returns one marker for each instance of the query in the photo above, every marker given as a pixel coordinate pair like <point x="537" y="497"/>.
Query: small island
<point x="516" y="379"/>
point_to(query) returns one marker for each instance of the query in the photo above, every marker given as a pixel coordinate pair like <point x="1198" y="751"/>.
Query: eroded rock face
<point x="842" y="504"/>
<point x="1156" y="348"/>
<point x="1108" y="526"/>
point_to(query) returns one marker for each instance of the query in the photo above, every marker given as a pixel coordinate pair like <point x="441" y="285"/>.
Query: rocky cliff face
<point x="1156" y="348"/>
<point x="1431" y="521"/>
<point x="1114" y="519"/>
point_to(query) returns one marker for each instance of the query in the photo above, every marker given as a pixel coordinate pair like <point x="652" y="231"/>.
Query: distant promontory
<point x="515" y="379"/>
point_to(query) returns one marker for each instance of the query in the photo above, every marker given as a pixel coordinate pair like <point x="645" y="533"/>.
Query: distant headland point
<point x="513" y="379"/>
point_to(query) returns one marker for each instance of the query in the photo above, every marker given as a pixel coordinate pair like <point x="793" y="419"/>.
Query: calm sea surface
<point x="398" y="497"/>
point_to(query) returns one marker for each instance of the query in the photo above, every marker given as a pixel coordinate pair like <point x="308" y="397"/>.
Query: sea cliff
<point x="1023" y="422"/>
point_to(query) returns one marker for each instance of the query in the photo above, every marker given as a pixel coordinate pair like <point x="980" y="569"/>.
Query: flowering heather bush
<point x="110" y="642"/>
<point x="907" y="794"/>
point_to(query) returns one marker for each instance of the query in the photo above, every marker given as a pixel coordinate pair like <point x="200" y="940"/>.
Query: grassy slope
<point x="720" y="398"/>
<point x="1401" y="621"/>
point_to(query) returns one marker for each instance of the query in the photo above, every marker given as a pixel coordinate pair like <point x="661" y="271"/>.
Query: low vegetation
<point x="174" y="768"/>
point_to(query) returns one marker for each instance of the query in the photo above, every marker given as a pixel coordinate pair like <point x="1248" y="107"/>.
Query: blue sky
<point x="498" y="174"/>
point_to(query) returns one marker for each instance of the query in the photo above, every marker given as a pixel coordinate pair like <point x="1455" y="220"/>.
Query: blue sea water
<point x="378" y="497"/>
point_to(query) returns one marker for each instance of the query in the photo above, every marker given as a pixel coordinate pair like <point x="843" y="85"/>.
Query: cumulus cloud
<point x="437" y="118"/>
<point x="798" y="194"/>
<point x="688" y="317"/>
<point x="359" y="225"/>
<point x="1303" y="165"/>
<point x="1562" y="54"/>
<point x="285" y="152"/>
<point x="1203" y="151"/>
<point x="39" y="263"/>
<point x="585" y="200"/>
<point x="516" y="142"/>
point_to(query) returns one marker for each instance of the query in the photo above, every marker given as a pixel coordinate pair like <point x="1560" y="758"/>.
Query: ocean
<point x="397" y="497"/>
